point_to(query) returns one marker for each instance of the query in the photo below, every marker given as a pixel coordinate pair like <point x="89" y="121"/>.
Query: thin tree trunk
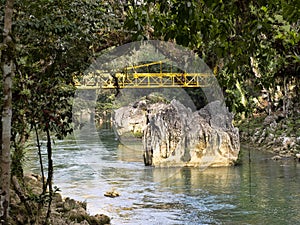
<point x="40" y="204"/>
<point x="7" y="67"/>
<point x="269" y="104"/>
<point x="40" y="158"/>
<point x="50" y="173"/>
<point x="285" y="97"/>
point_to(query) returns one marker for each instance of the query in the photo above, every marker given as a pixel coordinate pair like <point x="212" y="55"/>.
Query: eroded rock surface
<point x="130" y="121"/>
<point x="173" y="135"/>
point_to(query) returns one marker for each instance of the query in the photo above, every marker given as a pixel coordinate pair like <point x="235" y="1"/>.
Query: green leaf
<point x="264" y="8"/>
<point x="279" y="18"/>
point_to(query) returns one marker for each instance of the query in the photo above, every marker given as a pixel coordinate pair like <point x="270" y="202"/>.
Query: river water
<point x="262" y="191"/>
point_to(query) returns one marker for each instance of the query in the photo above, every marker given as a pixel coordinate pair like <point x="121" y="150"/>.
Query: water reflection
<point x="263" y="192"/>
<point x="130" y="153"/>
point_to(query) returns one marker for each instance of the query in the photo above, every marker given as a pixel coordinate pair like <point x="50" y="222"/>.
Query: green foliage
<point x="138" y="134"/>
<point x="105" y="101"/>
<point x="42" y="198"/>
<point x="18" y="155"/>
<point x="250" y="46"/>
<point x="156" y="97"/>
<point x="55" y="41"/>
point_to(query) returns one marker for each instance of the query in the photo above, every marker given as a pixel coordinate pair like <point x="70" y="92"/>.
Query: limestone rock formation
<point x="130" y="121"/>
<point x="173" y="135"/>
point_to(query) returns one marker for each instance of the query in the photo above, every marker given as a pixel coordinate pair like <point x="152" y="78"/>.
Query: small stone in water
<point x="111" y="194"/>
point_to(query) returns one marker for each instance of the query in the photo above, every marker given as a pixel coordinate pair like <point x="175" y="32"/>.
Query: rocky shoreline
<point x="64" y="211"/>
<point x="275" y="133"/>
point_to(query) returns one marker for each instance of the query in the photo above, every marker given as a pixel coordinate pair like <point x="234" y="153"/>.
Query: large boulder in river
<point x="176" y="136"/>
<point x="130" y="121"/>
<point x="173" y="135"/>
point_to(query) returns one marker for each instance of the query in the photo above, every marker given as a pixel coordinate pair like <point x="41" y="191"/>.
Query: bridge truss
<point x="141" y="76"/>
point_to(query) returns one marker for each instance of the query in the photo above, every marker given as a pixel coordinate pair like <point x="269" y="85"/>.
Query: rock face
<point x="276" y="133"/>
<point x="173" y="135"/>
<point x="130" y="121"/>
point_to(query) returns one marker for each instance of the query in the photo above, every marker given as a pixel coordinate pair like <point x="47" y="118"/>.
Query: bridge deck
<point x="136" y="77"/>
<point x="144" y="80"/>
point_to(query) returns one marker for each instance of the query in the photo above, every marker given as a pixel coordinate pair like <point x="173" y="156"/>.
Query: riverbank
<point x="26" y="207"/>
<point x="175" y="195"/>
<point x="275" y="133"/>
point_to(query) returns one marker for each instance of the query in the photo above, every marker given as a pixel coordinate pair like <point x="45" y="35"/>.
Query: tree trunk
<point x="285" y="104"/>
<point x="40" y="159"/>
<point x="50" y="174"/>
<point x="7" y="67"/>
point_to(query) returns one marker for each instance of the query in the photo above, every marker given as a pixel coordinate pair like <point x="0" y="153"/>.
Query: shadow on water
<point x="95" y="163"/>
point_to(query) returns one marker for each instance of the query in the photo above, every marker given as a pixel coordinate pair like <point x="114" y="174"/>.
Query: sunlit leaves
<point x="227" y="34"/>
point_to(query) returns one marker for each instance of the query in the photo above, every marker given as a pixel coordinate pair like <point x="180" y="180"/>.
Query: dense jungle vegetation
<point x="253" y="48"/>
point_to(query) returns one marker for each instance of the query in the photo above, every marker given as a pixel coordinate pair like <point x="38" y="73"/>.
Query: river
<point x="262" y="191"/>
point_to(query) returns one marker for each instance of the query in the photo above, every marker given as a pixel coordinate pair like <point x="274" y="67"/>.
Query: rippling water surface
<point x="263" y="192"/>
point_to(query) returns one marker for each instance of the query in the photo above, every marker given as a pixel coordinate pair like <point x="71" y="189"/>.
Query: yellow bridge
<point x="140" y="77"/>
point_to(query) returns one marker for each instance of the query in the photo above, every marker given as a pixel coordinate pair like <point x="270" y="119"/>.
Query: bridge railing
<point x="147" y="75"/>
<point x="144" y="80"/>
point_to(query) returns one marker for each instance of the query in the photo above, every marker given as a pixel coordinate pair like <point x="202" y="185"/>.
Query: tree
<point x="55" y="42"/>
<point x="7" y="66"/>
<point x="236" y="39"/>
